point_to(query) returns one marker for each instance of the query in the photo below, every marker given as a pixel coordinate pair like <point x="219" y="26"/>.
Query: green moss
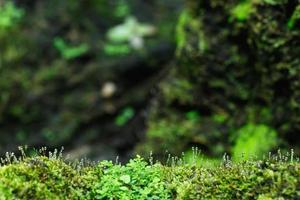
<point x="247" y="74"/>
<point x="175" y="132"/>
<point x="256" y="180"/>
<point x="180" y="32"/>
<point x="178" y="90"/>
<point x="242" y="11"/>
<point x="193" y="158"/>
<point x="42" y="177"/>
<point x="164" y="134"/>
<point x="254" y="140"/>
<point x="187" y="22"/>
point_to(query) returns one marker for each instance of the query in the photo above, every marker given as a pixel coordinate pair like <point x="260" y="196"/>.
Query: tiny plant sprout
<point x="131" y="32"/>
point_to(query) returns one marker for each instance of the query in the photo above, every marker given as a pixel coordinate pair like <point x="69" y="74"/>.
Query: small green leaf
<point x="116" y="49"/>
<point x="124" y="116"/>
<point x="295" y="18"/>
<point x="125" y="178"/>
<point x="124" y="188"/>
<point x="67" y="51"/>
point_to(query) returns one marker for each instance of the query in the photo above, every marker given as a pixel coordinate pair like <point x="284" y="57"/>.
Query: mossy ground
<point x="51" y="177"/>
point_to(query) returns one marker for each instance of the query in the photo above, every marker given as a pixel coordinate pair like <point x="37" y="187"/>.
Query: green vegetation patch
<point x="254" y="140"/>
<point x="294" y="18"/>
<point x="9" y="15"/>
<point x="237" y="66"/>
<point x="242" y="10"/>
<point x="43" y="177"/>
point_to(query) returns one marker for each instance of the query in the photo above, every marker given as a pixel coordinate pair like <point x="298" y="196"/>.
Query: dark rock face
<point x="238" y="68"/>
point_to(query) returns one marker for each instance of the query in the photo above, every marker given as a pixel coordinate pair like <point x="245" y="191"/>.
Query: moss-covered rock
<point x="41" y="177"/>
<point x="238" y="66"/>
<point x="261" y="180"/>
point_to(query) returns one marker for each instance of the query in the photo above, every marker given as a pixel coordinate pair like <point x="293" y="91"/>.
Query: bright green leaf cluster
<point x="9" y="14"/>
<point x="254" y="140"/>
<point x="126" y="114"/>
<point x="135" y="180"/>
<point x="69" y="52"/>
<point x="116" y="49"/>
<point x="242" y="10"/>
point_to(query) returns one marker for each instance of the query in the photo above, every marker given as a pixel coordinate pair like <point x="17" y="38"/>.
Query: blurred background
<point x="123" y="77"/>
<point x="79" y="74"/>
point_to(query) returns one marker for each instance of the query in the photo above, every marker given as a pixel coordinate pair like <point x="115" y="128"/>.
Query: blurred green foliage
<point x="295" y="18"/>
<point x="122" y="9"/>
<point x="126" y="37"/>
<point x="254" y="140"/>
<point x="192" y="115"/>
<point x="242" y="10"/>
<point x="55" y="57"/>
<point x="69" y="52"/>
<point x="117" y="49"/>
<point x="125" y="115"/>
<point x="181" y="34"/>
<point x="9" y="15"/>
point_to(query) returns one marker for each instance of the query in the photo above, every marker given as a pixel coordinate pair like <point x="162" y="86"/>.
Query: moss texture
<point x="238" y="66"/>
<point x="42" y="177"/>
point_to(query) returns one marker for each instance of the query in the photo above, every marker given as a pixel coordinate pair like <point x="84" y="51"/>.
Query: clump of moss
<point x="254" y="140"/>
<point x="247" y="180"/>
<point x="43" y="177"/>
